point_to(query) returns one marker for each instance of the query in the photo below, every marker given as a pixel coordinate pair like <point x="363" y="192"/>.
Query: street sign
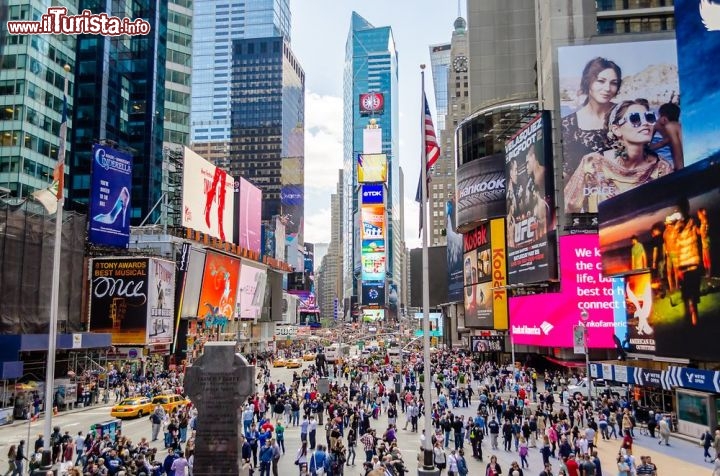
<point x="579" y="339"/>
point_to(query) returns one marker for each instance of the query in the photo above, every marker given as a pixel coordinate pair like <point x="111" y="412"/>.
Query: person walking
<point x="707" y="440"/>
<point x="266" y="457"/>
<point x="12" y="453"/>
<point x="301" y="458"/>
<point x="351" y="445"/>
<point x="19" y="458"/>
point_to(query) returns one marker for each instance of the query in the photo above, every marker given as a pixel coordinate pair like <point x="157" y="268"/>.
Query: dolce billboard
<point x="480" y="193"/>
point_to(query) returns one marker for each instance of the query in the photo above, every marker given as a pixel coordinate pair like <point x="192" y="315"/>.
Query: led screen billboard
<point x="599" y="127"/>
<point x="373" y="222"/>
<point x="219" y="288"/>
<point x="371" y="103"/>
<point x="292" y="194"/>
<point x="251" y="291"/>
<point x="530" y="203"/>
<point x="480" y="191"/>
<point x="373" y="293"/>
<point x="373" y="194"/>
<point x="454" y="255"/>
<point x="698" y="46"/>
<point x="161" y="301"/>
<point x="111" y="183"/>
<point x="547" y="320"/>
<point x="436" y="324"/>
<point x="249" y="215"/>
<point x="119" y="290"/>
<point x="487" y="343"/>
<point x="207" y="197"/>
<point x="373" y="266"/>
<point x="373" y="315"/>
<point x="372" y="168"/>
<point x="664" y="236"/>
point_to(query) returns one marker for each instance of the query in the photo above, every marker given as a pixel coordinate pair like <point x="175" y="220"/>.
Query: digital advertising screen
<point x="249" y="215"/>
<point x="373" y="293"/>
<point x="487" y="343"/>
<point x="373" y="222"/>
<point x="119" y="291"/>
<point x="373" y="246"/>
<point x="371" y="103"/>
<point x="110" y="197"/>
<point x="373" y="194"/>
<point x="219" y="288"/>
<point x="373" y="266"/>
<point x="436" y="324"/>
<point x="696" y="25"/>
<point x="251" y="291"/>
<point x="454" y="252"/>
<point x="207" y="197"/>
<point x="373" y="315"/>
<point x="611" y="95"/>
<point x="292" y="194"/>
<point x="547" y="320"/>
<point x="372" y="168"/>
<point x="530" y="203"/>
<point x="663" y="236"/>
<point x="480" y="191"/>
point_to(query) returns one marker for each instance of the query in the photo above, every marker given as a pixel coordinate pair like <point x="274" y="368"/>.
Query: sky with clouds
<point x="319" y="32"/>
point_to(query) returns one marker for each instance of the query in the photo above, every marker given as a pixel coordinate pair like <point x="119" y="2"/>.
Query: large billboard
<point x="161" y="301"/>
<point x="664" y="236"/>
<point x="480" y="193"/>
<point x="371" y="103"/>
<point x="373" y="222"/>
<point x="436" y="324"/>
<point x="373" y="266"/>
<point x="484" y="266"/>
<point x="251" y="291"/>
<point x="373" y="293"/>
<point x="530" y="203"/>
<point x="119" y="291"/>
<point x="373" y="194"/>
<point x="292" y="195"/>
<point x="219" y="288"/>
<point x="372" y="168"/>
<point x="698" y="46"/>
<point x="487" y="343"/>
<point x="207" y="197"/>
<point x="610" y="99"/>
<point x="249" y="215"/>
<point x="547" y="320"/>
<point x="454" y="255"/>
<point x="110" y="197"/>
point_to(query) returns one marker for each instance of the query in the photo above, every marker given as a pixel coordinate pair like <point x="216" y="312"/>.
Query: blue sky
<point x="319" y="32"/>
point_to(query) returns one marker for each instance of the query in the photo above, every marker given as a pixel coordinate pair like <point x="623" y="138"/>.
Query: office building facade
<point x="216" y="24"/>
<point x="439" y="67"/>
<point x="371" y="66"/>
<point x="267" y="140"/>
<point x="31" y="101"/>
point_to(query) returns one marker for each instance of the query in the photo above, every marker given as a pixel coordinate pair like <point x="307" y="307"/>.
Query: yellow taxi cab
<point x="170" y="401"/>
<point x="293" y="364"/>
<point x="279" y="362"/>
<point x="309" y="356"/>
<point x="132" y="407"/>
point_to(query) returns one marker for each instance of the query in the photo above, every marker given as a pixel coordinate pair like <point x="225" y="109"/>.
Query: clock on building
<point x="460" y="64"/>
<point x="372" y="103"/>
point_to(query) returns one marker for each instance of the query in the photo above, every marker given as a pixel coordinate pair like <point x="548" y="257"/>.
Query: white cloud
<point x="323" y="141"/>
<point x="317" y="224"/>
<point x="412" y="222"/>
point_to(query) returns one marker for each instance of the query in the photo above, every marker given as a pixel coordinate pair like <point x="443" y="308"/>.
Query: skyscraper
<point x="120" y="97"/>
<point x="439" y="66"/>
<point x="371" y="66"/>
<point x="267" y="139"/>
<point x="178" y="67"/>
<point x="216" y="24"/>
<point x="31" y="94"/>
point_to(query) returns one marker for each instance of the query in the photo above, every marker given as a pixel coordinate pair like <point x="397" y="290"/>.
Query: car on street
<point x="294" y="364"/>
<point x="309" y="356"/>
<point x="134" y="407"/>
<point x="170" y="401"/>
<point x="599" y="388"/>
<point x="279" y="362"/>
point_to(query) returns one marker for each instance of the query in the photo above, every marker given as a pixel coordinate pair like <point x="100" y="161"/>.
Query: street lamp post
<point x="585" y="316"/>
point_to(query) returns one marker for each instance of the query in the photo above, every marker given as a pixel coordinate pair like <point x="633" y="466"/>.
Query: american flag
<point x="432" y="154"/>
<point x="59" y="172"/>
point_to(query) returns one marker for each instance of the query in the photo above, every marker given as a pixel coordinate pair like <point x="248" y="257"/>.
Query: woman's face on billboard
<point x="605" y="87"/>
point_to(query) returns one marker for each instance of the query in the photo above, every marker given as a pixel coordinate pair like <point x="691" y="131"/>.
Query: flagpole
<point x="55" y="290"/>
<point x="428" y="460"/>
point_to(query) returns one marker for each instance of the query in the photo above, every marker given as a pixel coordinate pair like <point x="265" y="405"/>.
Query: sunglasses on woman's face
<point x="636" y="119"/>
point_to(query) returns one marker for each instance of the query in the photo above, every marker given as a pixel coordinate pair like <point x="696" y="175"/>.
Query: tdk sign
<point x="372" y="193"/>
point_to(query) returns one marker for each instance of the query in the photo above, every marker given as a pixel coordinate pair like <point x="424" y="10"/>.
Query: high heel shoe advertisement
<point x="208" y="198"/>
<point x="110" y="197"/>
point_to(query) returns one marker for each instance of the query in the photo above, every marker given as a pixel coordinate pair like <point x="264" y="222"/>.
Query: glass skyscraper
<point x="31" y="97"/>
<point x="439" y="65"/>
<point x="371" y="65"/>
<point x="216" y="23"/>
<point x="267" y="140"/>
<point x="120" y="97"/>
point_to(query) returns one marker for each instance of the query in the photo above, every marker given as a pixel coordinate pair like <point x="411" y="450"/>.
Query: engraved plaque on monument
<point x="218" y="383"/>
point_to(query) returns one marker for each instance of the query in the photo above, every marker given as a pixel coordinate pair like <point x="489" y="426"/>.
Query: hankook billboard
<point x="480" y="191"/>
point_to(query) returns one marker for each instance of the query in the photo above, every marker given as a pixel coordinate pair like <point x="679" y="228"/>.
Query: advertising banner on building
<point x="530" y="203"/>
<point x="484" y="271"/>
<point x="249" y="215"/>
<point x="664" y="234"/>
<point x="373" y="222"/>
<point x="436" y="324"/>
<point x="696" y="25"/>
<point x="372" y="168"/>
<point x="251" y="291"/>
<point x="193" y="284"/>
<point x="495" y="260"/>
<point x="454" y="255"/>
<point x="207" y="197"/>
<point x="373" y="293"/>
<point x="219" y="289"/>
<point x="480" y="192"/>
<point x="110" y="187"/>
<point x="373" y="266"/>
<point x="611" y="96"/>
<point x="292" y="194"/>
<point x="373" y="315"/>
<point x="373" y="194"/>
<point x="487" y="343"/>
<point x="547" y="320"/>
<point x="371" y="103"/>
<point x="161" y="301"/>
<point x="119" y="293"/>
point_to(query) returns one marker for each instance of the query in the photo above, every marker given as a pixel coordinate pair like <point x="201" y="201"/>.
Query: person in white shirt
<point x="452" y="464"/>
<point x="79" y="448"/>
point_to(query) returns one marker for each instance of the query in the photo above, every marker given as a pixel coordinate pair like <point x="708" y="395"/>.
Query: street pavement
<point x="680" y="458"/>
